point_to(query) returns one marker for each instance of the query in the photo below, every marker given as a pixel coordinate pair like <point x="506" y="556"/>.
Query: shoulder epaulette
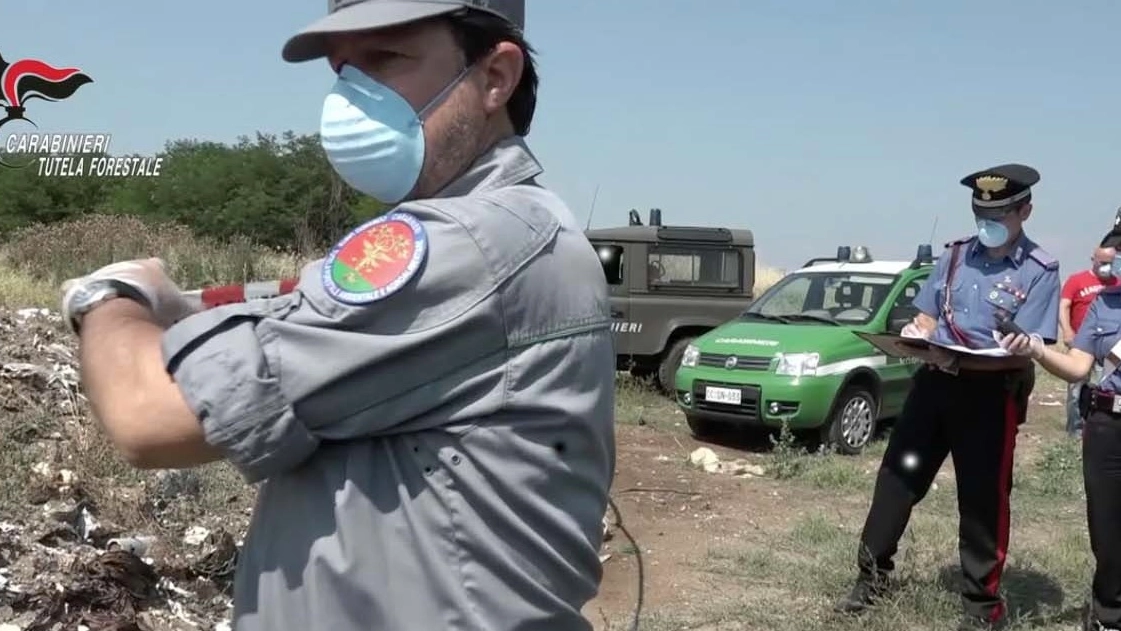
<point x="1044" y="258"/>
<point x="961" y="241"/>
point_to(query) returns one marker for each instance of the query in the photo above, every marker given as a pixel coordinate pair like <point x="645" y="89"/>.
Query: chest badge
<point x="375" y="259"/>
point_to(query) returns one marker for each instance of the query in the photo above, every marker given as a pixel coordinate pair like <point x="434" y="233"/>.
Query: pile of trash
<point x="38" y="363"/>
<point x="64" y="565"/>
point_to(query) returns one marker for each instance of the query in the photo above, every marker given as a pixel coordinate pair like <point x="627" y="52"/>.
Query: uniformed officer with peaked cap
<point x="966" y="405"/>
<point x="431" y="410"/>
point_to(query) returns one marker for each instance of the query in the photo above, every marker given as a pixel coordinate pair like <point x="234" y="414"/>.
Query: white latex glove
<point x="1023" y="345"/>
<point x="913" y="330"/>
<point x="149" y="278"/>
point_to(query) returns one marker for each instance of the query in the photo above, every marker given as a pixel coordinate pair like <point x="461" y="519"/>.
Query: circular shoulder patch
<point x="375" y="259"/>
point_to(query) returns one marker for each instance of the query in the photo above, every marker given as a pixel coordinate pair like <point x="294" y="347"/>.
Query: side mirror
<point x="899" y="317"/>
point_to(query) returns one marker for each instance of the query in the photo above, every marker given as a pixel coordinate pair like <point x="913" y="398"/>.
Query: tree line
<point x="278" y="191"/>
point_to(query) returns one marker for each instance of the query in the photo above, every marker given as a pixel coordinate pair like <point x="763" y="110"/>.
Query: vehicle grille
<point x="749" y="402"/>
<point x="743" y="362"/>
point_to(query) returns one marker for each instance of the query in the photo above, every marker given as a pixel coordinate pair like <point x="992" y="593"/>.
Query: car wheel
<point x="853" y="421"/>
<point x="700" y="427"/>
<point x="667" y="370"/>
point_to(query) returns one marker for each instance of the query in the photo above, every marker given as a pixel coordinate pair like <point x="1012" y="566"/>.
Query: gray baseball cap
<point x="360" y="15"/>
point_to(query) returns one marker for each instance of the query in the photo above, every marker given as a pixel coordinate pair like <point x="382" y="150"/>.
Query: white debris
<point x="87" y="525"/>
<point x="707" y="460"/>
<point x="195" y="535"/>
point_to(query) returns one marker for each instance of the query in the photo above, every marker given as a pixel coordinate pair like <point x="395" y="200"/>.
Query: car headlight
<point x="797" y="364"/>
<point x="690" y="357"/>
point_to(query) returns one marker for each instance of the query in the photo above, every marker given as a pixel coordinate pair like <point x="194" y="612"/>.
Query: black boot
<point x="864" y="594"/>
<point x="1090" y="621"/>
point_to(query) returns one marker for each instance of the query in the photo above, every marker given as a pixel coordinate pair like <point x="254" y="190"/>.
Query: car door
<point x="897" y="376"/>
<point x="613" y="259"/>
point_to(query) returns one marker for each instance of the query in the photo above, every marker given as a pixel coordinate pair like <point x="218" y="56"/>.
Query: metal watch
<point x="96" y="293"/>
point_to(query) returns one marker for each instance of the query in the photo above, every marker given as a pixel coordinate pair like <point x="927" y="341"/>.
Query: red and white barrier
<point x="210" y="297"/>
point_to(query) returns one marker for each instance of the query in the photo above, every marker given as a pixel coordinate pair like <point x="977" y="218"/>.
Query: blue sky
<point x="812" y="123"/>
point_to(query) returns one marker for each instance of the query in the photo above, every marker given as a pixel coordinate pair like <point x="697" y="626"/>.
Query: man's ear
<point x="1025" y="211"/>
<point x="502" y="71"/>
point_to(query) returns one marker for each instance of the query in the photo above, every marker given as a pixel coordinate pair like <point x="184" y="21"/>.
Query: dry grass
<point x="35" y="260"/>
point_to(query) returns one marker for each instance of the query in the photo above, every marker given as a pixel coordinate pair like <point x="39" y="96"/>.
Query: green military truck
<point x="670" y="284"/>
<point x="793" y="356"/>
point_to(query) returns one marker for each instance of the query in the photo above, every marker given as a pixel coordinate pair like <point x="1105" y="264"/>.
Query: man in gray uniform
<point x="431" y="410"/>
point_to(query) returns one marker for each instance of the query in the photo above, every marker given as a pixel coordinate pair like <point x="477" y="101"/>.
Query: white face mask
<point x="372" y="137"/>
<point x="991" y="234"/>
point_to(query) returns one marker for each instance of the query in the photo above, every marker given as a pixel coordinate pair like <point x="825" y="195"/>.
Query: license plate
<point x="723" y="395"/>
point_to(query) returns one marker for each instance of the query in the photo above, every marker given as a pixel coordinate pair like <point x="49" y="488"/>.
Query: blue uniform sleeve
<point x="1084" y="338"/>
<point x="927" y="299"/>
<point x="1040" y="312"/>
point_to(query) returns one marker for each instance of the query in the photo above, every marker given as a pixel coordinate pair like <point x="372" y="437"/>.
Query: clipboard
<point x="894" y="345"/>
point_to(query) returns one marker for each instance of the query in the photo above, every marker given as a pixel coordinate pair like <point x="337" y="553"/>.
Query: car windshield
<point x="834" y="298"/>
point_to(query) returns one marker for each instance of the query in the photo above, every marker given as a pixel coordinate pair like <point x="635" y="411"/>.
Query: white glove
<point x="148" y="277"/>
<point x="1023" y="345"/>
<point x="913" y="330"/>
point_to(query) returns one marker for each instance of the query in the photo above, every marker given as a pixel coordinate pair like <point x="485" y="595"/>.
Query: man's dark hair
<point x="477" y="34"/>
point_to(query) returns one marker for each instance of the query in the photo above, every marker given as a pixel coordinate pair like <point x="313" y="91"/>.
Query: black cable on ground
<point x="638" y="559"/>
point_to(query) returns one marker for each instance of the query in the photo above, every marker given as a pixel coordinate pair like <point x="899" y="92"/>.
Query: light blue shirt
<point x="1024" y="284"/>
<point x="1100" y="332"/>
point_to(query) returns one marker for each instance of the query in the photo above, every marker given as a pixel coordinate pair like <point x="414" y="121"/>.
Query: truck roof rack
<point x="694" y="233"/>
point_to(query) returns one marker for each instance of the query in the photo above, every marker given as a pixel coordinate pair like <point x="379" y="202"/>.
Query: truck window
<point x="694" y="267"/>
<point x="611" y="258"/>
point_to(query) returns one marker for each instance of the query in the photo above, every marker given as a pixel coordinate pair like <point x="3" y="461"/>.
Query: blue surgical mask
<point x="1115" y="267"/>
<point x="991" y="234"/>
<point x="372" y="137"/>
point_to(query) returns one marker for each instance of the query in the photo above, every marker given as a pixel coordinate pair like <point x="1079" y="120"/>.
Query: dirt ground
<point x="712" y="542"/>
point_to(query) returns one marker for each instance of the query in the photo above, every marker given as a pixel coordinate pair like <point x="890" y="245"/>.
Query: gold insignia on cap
<point x="989" y="184"/>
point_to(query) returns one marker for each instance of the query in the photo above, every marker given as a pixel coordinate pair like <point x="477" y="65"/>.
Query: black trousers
<point x="1101" y="471"/>
<point x="973" y="417"/>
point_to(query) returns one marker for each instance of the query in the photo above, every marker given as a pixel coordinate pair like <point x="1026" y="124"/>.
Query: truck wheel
<point x="667" y="371"/>
<point x="853" y="420"/>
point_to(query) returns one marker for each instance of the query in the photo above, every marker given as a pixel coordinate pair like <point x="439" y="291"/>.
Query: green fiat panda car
<point x="792" y="356"/>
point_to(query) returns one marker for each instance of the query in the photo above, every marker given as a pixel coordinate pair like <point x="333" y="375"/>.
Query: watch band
<point x="98" y="292"/>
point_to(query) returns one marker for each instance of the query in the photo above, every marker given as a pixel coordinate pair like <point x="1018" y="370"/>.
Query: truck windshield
<point x="816" y="297"/>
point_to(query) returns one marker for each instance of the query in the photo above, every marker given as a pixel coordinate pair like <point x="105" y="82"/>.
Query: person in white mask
<point x="431" y="411"/>
<point x="1079" y="291"/>
<point x="970" y="398"/>
<point x="1098" y="341"/>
